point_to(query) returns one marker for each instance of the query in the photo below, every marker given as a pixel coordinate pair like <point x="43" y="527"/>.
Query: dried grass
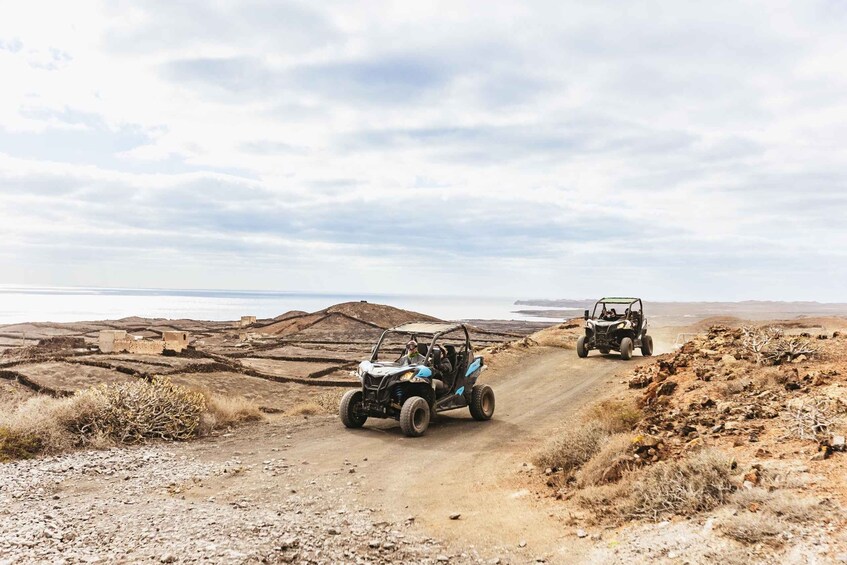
<point x="572" y="448"/>
<point x="610" y="463"/>
<point x="224" y="411"/>
<point x="748" y="527"/>
<point x="699" y="482"/>
<point x="786" y="505"/>
<point x="616" y="416"/>
<point x="307" y="409"/>
<point x="113" y="414"/>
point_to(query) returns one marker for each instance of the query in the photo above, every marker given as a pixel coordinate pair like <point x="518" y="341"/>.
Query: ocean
<point x="73" y="304"/>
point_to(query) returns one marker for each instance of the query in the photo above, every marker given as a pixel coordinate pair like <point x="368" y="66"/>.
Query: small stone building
<point x="118" y="341"/>
<point x="247" y="321"/>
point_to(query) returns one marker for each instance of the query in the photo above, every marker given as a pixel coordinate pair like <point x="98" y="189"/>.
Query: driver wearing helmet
<point x="441" y="366"/>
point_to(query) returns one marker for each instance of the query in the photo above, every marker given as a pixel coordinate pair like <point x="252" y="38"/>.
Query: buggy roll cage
<point x="623" y="301"/>
<point x="435" y="330"/>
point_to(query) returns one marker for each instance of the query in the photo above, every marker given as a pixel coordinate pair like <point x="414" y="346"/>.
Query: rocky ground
<point x="141" y="504"/>
<point x="305" y="490"/>
<point x="769" y="398"/>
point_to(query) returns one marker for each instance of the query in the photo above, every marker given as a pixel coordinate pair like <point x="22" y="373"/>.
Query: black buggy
<point x="411" y="393"/>
<point x="615" y="324"/>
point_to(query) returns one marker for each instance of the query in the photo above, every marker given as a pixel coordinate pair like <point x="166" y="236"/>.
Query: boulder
<point x="729" y="360"/>
<point x="666" y="388"/>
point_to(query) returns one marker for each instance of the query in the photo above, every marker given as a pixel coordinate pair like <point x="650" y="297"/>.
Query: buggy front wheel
<point x="581" y="347"/>
<point x="414" y="416"/>
<point x="482" y="402"/>
<point x="350" y="409"/>
<point x="626" y="349"/>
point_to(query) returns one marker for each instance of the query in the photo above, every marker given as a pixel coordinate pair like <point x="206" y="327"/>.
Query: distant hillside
<point x="378" y="316"/>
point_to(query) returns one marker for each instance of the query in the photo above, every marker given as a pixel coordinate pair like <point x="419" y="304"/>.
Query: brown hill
<point x="379" y="316"/>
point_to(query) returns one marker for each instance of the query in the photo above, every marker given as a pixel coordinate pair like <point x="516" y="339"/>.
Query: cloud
<point x="528" y="149"/>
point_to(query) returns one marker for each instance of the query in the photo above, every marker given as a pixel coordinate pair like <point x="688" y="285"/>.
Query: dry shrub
<point x="307" y="409"/>
<point x="329" y="399"/>
<point x="610" y="463"/>
<point x="38" y="425"/>
<point x="572" y="448"/>
<point x="101" y="416"/>
<point x="603" y="500"/>
<point x="796" y="509"/>
<point x="132" y="412"/>
<point x="18" y="444"/>
<point x="730" y="556"/>
<point x="223" y="411"/>
<point x="785" y="505"/>
<point x="748" y="527"/>
<point x="699" y="482"/>
<point x="617" y="415"/>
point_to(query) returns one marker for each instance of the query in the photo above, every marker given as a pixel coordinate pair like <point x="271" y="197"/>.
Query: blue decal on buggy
<point x="474" y="366"/>
<point x="460" y="390"/>
<point x="425" y="372"/>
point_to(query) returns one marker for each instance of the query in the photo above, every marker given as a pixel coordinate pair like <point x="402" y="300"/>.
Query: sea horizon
<point x="23" y="303"/>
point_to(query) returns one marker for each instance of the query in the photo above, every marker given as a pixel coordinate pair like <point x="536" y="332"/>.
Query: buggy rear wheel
<point x="414" y="416"/>
<point x="647" y="346"/>
<point x="350" y="409"/>
<point x="482" y="402"/>
<point x="626" y="349"/>
<point x="581" y="348"/>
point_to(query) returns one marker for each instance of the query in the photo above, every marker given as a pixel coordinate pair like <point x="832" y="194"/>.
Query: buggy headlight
<point x="407" y="376"/>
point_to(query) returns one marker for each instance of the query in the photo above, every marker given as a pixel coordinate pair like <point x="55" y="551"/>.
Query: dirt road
<point x="312" y="491"/>
<point x="463" y="466"/>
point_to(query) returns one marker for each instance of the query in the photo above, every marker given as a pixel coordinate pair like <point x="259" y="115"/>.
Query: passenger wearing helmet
<point x="411" y="355"/>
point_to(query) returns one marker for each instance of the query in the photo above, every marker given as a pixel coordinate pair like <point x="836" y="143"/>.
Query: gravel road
<point x="310" y="491"/>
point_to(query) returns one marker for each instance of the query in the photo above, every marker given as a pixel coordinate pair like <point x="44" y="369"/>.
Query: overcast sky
<point x="673" y="150"/>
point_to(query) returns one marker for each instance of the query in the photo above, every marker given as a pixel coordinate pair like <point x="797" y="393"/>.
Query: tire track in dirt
<point x="471" y="467"/>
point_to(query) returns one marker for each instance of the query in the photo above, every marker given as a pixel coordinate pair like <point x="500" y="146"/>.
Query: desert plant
<point x="699" y="482"/>
<point x="610" y="463"/>
<point x="749" y="527"/>
<point x="18" y="444"/>
<point x="121" y="413"/>
<point x="225" y="411"/>
<point x="132" y="412"/>
<point x="307" y="409"/>
<point x="573" y="447"/>
<point x="770" y="345"/>
<point x="809" y="418"/>
<point x="784" y="504"/>
<point x="616" y="416"/>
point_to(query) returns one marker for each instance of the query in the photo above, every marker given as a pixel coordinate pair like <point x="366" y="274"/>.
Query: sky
<point x="670" y="150"/>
